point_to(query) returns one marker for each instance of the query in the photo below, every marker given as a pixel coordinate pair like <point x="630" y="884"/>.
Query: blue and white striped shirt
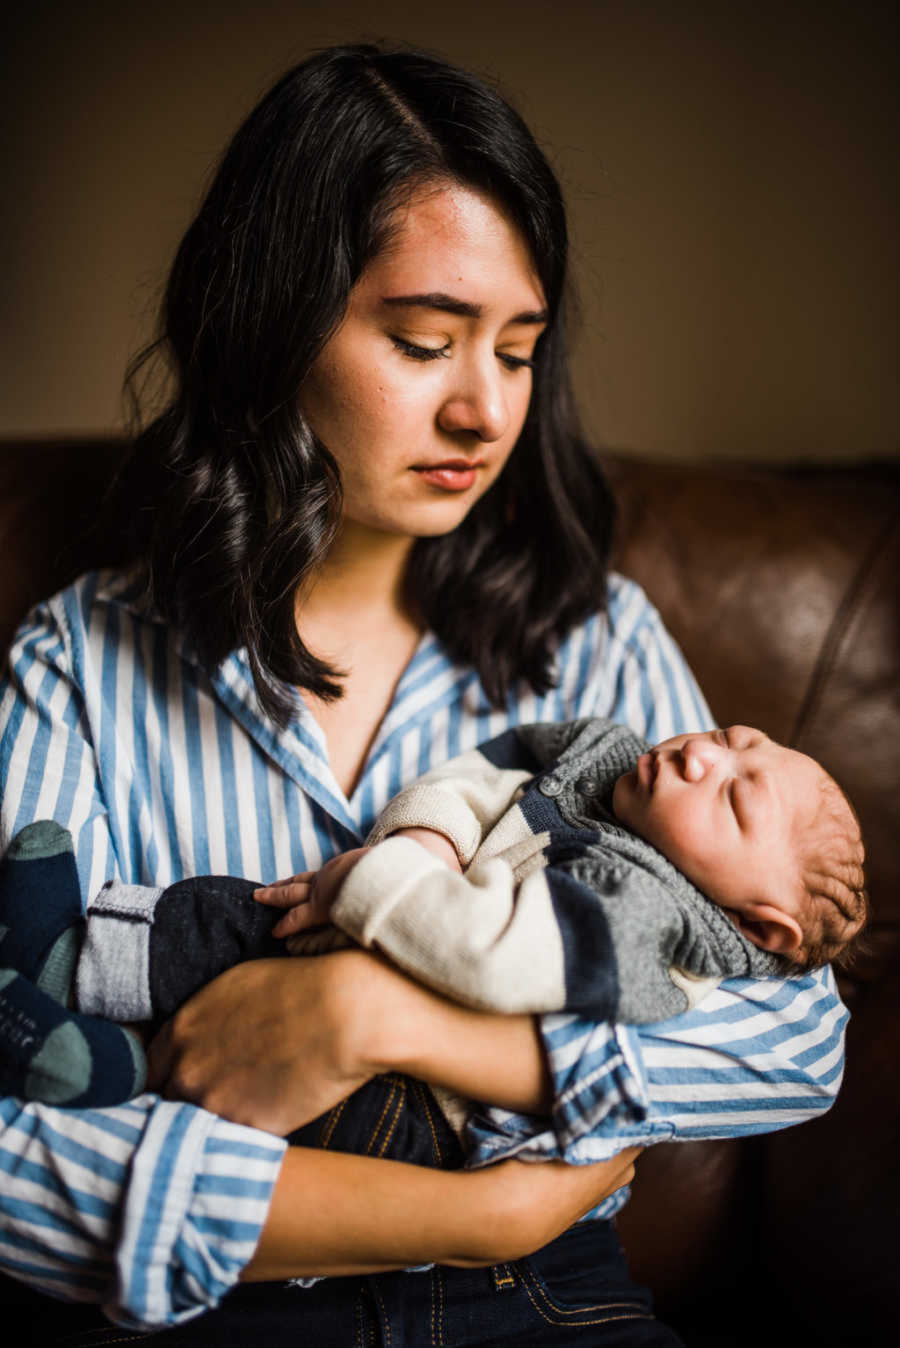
<point x="109" y="725"/>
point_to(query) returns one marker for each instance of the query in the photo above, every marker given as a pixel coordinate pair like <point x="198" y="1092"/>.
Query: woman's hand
<point x="276" y="1043"/>
<point x="523" y="1206"/>
<point x="270" y="1043"/>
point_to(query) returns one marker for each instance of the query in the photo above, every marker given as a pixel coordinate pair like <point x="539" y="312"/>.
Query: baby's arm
<point x="484" y="938"/>
<point x="462" y="800"/>
<point x="448" y="811"/>
<point x="310" y="895"/>
<point x="554" y="941"/>
<point x="434" y="842"/>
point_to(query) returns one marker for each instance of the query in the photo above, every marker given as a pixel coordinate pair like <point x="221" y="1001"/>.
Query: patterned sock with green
<point x="41" y="921"/>
<point x="61" y="1057"/>
<point x="47" y="1052"/>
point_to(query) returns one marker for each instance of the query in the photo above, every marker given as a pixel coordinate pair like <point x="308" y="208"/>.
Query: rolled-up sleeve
<point x="151" y="1208"/>
<point x="755" y="1056"/>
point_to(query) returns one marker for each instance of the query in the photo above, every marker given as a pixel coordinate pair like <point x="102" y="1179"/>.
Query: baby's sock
<point x="62" y="1057"/>
<point x="40" y="908"/>
<point x="47" y="1052"/>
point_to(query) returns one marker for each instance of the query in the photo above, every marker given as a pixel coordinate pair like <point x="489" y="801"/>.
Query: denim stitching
<point x="531" y="1283"/>
<point x="401" y="1085"/>
<point x="384" y="1319"/>
<point x="423" y="1100"/>
<point x="359" y="1321"/>
<point x="330" y="1124"/>
<point x="440" y="1284"/>
<point x="506" y="1280"/>
<point x="387" y="1105"/>
<point x="431" y="1278"/>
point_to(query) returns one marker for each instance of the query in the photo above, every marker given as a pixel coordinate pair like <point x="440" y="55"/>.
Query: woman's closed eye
<point x="415" y="351"/>
<point x="514" y="362"/>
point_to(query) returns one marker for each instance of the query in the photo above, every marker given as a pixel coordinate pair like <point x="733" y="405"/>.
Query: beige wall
<point x="730" y="169"/>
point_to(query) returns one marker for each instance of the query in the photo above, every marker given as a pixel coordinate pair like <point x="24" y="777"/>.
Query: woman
<point x="367" y="487"/>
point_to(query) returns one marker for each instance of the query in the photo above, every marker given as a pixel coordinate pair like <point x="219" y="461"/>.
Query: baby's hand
<point x="308" y="895"/>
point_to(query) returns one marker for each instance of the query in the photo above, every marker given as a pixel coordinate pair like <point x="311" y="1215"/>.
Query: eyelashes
<point x="420" y="352"/>
<point x="424" y="353"/>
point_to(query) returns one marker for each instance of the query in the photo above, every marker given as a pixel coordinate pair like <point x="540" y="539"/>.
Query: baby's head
<point x="762" y="830"/>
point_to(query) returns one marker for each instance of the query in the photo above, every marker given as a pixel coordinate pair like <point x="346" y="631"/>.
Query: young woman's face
<point x="422" y="392"/>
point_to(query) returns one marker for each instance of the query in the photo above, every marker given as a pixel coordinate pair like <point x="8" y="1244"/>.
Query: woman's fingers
<point x="286" y="893"/>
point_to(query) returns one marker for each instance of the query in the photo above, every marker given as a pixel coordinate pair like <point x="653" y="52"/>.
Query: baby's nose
<point x="698" y="756"/>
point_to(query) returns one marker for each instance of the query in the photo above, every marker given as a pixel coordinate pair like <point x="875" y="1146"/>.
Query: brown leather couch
<point x="783" y="588"/>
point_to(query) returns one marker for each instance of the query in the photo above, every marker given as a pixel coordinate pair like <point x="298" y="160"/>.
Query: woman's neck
<point x="359" y="586"/>
<point x="355" y="615"/>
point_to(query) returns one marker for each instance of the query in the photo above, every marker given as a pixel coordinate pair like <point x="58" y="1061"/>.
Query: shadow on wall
<point x="728" y="170"/>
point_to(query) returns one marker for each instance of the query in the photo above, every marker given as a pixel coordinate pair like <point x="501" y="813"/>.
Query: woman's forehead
<point x="452" y="240"/>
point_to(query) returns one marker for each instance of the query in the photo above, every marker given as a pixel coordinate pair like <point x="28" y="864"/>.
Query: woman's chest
<point x="201" y="783"/>
<point x="351" y="724"/>
<point x="372" y="663"/>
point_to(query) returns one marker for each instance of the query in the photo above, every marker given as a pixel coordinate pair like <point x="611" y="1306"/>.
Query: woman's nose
<point x="477" y="404"/>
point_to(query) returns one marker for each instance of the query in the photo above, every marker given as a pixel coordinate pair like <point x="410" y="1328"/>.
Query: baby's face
<point x="724" y="806"/>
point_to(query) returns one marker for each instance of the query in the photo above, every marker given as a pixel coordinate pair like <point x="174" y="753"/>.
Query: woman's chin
<point x="429" y="519"/>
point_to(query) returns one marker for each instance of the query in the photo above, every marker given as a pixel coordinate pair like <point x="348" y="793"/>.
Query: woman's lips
<point x="453" y="475"/>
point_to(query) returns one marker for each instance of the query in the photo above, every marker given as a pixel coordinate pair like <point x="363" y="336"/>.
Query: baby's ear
<point x="770" y="928"/>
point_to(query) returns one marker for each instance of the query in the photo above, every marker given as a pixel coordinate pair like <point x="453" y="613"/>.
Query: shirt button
<point x="551" y="786"/>
<point x="588" y="786"/>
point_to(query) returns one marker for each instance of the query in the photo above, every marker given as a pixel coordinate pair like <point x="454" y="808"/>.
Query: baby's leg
<point x="144" y="952"/>
<point x="147" y="951"/>
<point x="47" y="1052"/>
<point x="41" y="919"/>
<point x="61" y="1057"/>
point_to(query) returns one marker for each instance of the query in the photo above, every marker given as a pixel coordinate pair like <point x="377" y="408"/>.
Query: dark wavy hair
<point x="232" y="498"/>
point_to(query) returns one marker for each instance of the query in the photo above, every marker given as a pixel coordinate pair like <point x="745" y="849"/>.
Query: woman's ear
<point x="770" y="928"/>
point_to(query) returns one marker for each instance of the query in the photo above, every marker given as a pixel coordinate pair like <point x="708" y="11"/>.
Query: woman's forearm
<point x="275" y="1043"/>
<point x="334" y="1214"/>
<point x="495" y="1058"/>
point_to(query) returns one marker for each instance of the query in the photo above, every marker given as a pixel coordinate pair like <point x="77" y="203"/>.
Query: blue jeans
<point x="391" y="1116"/>
<point x="575" y="1291"/>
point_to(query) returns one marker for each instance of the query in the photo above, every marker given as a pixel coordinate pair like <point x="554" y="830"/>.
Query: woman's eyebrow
<point x="465" y="308"/>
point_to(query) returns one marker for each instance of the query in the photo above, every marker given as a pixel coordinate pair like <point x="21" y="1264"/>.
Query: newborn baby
<point x="606" y="877"/>
<point x="568" y="866"/>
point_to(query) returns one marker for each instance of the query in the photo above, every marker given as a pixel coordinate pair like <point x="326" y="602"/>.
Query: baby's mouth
<point x="647" y="768"/>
